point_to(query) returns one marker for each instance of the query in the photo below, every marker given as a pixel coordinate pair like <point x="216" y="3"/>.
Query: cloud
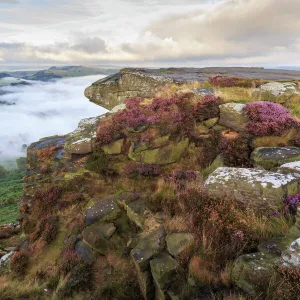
<point x="9" y="1"/>
<point x="144" y="32"/>
<point x="43" y="109"/>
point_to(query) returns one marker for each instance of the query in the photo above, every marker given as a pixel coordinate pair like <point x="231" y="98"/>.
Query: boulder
<point x="124" y="198"/>
<point x="198" y="91"/>
<point x="210" y="122"/>
<point x="96" y="237"/>
<point x="114" y="147"/>
<point x="291" y="256"/>
<point x="290" y="168"/>
<point x="272" y="157"/>
<point x="232" y="115"/>
<point x="179" y="242"/>
<point x="80" y="140"/>
<point x="164" y="155"/>
<point x="85" y="252"/>
<point x="146" y="284"/>
<point x="252" y="272"/>
<point x="136" y="212"/>
<point x="104" y="210"/>
<point x="276" y="91"/>
<point x="149" y="245"/>
<point x="259" y="189"/>
<point x="163" y="269"/>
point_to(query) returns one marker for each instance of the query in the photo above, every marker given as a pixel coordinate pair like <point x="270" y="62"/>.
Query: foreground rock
<point x="290" y="168"/>
<point x="259" y="189"/>
<point x="269" y="158"/>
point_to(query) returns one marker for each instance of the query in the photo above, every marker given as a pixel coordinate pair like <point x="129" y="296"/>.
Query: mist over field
<point x="42" y="109"/>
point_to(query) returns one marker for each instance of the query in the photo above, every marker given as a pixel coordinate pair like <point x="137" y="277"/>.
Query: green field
<point x="10" y="194"/>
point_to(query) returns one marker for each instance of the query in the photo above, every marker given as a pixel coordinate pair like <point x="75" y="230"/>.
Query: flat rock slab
<point x="149" y="245"/>
<point x="272" y="157"/>
<point x="232" y="115"/>
<point x="179" y="242"/>
<point x="260" y="189"/>
<point x="103" y="210"/>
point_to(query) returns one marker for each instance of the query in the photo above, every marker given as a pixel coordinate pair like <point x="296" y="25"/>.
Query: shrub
<point x="19" y="262"/>
<point x="289" y="288"/>
<point x="3" y="171"/>
<point x="149" y="170"/>
<point x="21" y="163"/>
<point x="98" y="162"/>
<point x="181" y="177"/>
<point x="268" y="118"/>
<point x="236" y="151"/>
<point x="46" y="200"/>
<point x="69" y="261"/>
<point x="223" y="81"/>
<point x="290" y="204"/>
<point x="207" y="107"/>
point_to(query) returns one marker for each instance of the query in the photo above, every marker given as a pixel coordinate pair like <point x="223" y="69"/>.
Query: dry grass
<point x="171" y="89"/>
<point x="235" y="94"/>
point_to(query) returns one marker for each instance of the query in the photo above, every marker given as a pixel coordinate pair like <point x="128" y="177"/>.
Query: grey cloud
<point x="90" y="45"/>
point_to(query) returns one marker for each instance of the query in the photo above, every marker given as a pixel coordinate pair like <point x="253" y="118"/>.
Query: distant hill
<point x="69" y="71"/>
<point x="3" y="75"/>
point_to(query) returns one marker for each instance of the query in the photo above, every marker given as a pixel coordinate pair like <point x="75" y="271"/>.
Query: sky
<point x="150" y="32"/>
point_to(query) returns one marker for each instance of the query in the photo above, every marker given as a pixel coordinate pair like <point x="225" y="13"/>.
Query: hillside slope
<point x="184" y="191"/>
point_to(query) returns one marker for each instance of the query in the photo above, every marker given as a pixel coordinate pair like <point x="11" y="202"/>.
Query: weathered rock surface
<point x="113" y="90"/>
<point x="164" y="155"/>
<point x="259" y="189"/>
<point x="80" y="140"/>
<point x="113" y="148"/>
<point x="179" y="242"/>
<point x="269" y="158"/>
<point x="233" y="116"/>
<point x="103" y="210"/>
<point x="290" y="168"/>
<point x="96" y="237"/>
<point x="163" y="269"/>
<point x="149" y="245"/>
<point x="85" y="252"/>
<point x="136" y="212"/>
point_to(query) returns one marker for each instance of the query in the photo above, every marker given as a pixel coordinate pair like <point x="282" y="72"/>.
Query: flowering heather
<point x="290" y="203"/>
<point x="187" y="175"/>
<point x="268" y="118"/>
<point x="149" y="170"/>
<point x="223" y="81"/>
<point x="207" y="107"/>
<point x="19" y="262"/>
<point x="132" y="103"/>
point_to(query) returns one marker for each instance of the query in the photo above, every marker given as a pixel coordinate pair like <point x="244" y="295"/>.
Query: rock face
<point x="113" y="90"/>
<point x="269" y="158"/>
<point x="233" y="116"/>
<point x="80" y="140"/>
<point x="290" y="168"/>
<point x="255" y="188"/>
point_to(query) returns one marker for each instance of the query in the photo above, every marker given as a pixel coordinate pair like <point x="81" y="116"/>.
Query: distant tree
<point x="21" y="163"/>
<point x="3" y="171"/>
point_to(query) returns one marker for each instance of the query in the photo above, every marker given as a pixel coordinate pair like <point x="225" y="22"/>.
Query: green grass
<point x="10" y="194"/>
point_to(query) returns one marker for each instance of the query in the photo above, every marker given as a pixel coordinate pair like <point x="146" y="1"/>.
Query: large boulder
<point x="254" y="188"/>
<point x="290" y="168"/>
<point x="102" y="210"/>
<point x="164" y="155"/>
<point x="80" y="140"/>
<point x="272" y="157"/>
<point x="232" y="115"/>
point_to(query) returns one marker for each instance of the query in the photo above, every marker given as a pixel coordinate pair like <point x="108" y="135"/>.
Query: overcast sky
<point x="150" y="32"/>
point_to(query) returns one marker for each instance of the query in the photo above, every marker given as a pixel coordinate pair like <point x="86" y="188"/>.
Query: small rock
<point x="179" y="242"/>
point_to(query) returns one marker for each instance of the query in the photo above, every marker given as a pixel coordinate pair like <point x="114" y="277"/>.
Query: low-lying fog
<point x="42" y="109"/>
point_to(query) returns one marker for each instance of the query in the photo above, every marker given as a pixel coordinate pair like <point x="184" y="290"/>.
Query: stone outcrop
<point x="255" y="188"/>
<point x="233" y="116"/>
<point x="269" y="158"/>
<point x="113" y="90"/>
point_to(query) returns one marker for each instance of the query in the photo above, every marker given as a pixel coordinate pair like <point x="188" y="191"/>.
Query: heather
<point x="267" y="118"/>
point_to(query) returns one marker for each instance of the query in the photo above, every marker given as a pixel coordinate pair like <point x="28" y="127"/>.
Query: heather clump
<point x="133" y="169"/>
<point x="19" y="262"/>
<point x="207" y="107"/>
<point x="268" y="118"/>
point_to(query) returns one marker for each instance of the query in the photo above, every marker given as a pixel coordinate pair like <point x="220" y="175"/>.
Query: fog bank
<point x="42" y="109"/>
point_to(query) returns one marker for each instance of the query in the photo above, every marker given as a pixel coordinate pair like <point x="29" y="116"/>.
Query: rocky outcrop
<point x="269" y="158"/>
<point x="113" y="90"/>
<point x="254" y="188"/>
